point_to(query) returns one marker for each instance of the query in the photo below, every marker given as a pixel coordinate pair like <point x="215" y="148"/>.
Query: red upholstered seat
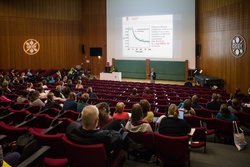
<point x="56" y="156"/>
<point x="173" y="151"/>
<point x="86" y="155"/>
<point x="199" y="138"/>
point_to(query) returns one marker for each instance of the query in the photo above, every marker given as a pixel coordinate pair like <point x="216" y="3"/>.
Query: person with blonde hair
<point x="172" y="125"/>
<point x="79" y="85"/>
<point x="119" y="114"/>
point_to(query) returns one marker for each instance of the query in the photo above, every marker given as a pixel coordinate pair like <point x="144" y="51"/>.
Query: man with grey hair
<point x="88" y="133"/>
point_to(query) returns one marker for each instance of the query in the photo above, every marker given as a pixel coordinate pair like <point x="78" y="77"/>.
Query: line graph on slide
<point x="137" y="38"/>
<point x="144" y="36"/>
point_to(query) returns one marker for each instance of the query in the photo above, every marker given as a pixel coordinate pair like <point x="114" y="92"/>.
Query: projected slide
<point x="148" y="36"/>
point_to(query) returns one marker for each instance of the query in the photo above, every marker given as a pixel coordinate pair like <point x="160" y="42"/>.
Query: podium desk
<point x="114" y="76"/>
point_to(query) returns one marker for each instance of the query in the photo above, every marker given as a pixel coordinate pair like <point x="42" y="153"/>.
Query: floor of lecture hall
<point x="156" y="81"/>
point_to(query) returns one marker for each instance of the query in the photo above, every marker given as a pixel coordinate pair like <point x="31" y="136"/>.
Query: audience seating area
<point x="49" y="126"/>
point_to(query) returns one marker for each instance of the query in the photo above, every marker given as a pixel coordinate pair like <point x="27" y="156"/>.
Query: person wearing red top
<point x="147" y="93"/>
<point x="119" y="114"/>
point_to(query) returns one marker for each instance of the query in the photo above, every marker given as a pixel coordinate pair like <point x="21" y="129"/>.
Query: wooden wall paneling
<point x="55" y="24"/>
<point x="217" y="23"/>
<point x="94" y="32"/>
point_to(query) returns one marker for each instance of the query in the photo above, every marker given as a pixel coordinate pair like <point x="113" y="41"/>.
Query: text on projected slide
<point x="148" y="36"/>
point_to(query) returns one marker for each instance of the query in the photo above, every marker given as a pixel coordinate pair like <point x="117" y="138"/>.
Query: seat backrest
<point x="147" y="139"/>
<point x="224" y="128"/>
<point x="85" y="155"/>
<point x="193" y="121"/>
<point x="172" y="150"/>
<point x="244" y="118"/>
<point x="17" y="117"/>
<point x="33" y="109"/>
<point x="53" y="112"/>
<point x="209" y="123"/>
<point x="12" y="132"/>
<point x="70" y="114"/>
<point x="199" y="134"/>
<point x="53" y="140"/>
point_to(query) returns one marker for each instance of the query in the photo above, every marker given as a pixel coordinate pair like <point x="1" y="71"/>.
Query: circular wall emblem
<point x="31" y="46"/>
<point x="238" y="46"/>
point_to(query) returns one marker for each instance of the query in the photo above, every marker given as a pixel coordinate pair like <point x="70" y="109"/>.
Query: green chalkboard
<point x="131" y="68"/>
<point x="169" y="70"/>
<point x="165" y="70"/>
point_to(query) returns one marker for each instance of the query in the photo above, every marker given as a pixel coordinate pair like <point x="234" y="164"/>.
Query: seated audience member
<point x="42" y="94"/>
<point x="29" y="73"/>
<point x="231" y="97"/>
<point x="187" y="109"/>
<point x="119" y="113"/>
<point x="12" y="158"/>
<point x="88" y="133"/>
<point x="91" y="93"/>
<point x="136" y="124"/>
<point x="34" y="99"/>
<point x="213" y="104"/>
<point x="51" y="79"/>
<point x="195" y="100"/>
<point x="83" y="102"/>
<point x="15" y="81"/>
<point x="44" y="84"/>
<point x="58" y="92"/>
<point x="158" y="121"/>
<point x="23" y="98"/>
<point x="66" y="91"/>
<point x="225" y="114"/>
<point x="248" y="93"/>
<point x="2" y="97"/>
<point x="247" y="104"/>
<point x="220" y="99"/>
<point x="65" y="79"/>
<point x="69" y="84"/>
<point x="51" y="103"/>
<point x="148" y="115"/>
<point x="104" y="114"/>
<point x="30" y="87"/>
<point x="79" y="85"/>
<point x="134" y="93"/>
<point x="147" y="93"/>
<point x="5" y="87"/>
<point x="59" y="75"/>
<point x="172" y="125"/>
<point x="70" y="103"/>
<point x="235" y="106"/>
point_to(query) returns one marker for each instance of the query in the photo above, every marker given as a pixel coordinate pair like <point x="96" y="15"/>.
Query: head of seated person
<point x="104" y="114"/>
<point x="225" y="114"/>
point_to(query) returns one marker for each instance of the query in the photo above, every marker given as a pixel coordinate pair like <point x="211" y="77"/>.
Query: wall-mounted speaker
<point x="83" y="49"/>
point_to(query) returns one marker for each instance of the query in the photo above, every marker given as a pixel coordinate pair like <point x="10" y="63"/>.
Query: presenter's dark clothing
<point x="174" y="127"/>
<point x="112" y="140"/>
